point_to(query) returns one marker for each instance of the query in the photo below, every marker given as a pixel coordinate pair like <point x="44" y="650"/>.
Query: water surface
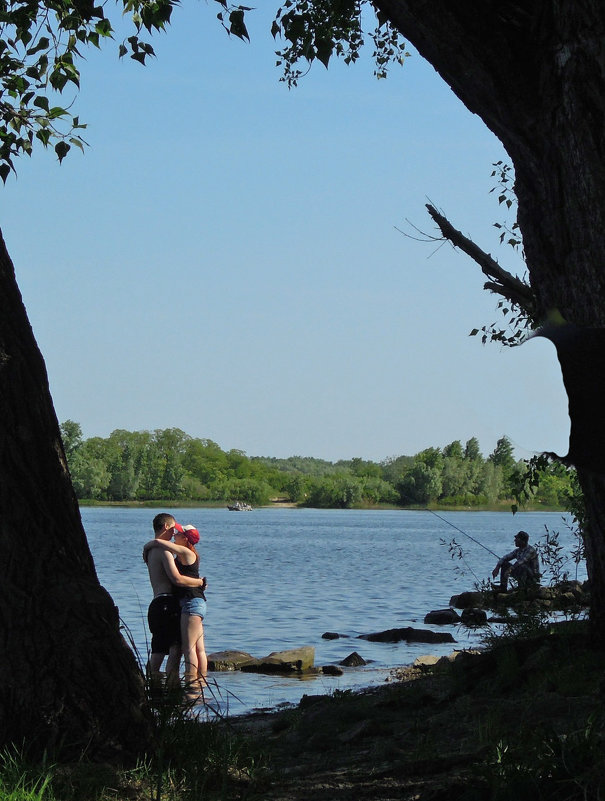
<point x="280" y="578"/>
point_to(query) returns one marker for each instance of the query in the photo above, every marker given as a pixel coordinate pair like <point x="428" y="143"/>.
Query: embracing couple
<point x="179" y="605"/>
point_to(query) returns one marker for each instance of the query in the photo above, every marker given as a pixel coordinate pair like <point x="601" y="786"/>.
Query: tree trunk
<point x="68" y="680"/>
<point x="534" y="72"/>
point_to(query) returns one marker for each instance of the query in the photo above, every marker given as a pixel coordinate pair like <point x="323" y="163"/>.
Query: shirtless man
<point x="164" y="611"/>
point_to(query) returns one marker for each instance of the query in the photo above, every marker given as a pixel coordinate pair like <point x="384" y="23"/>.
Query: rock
<point x="296" y="660"/>
<point x="310" y="700"/>
<point x="228" y="660"/>
<point x="425" y="661"/>
<point x="332" y="635"/>
<point x="442" y="664"/>
<point x="353" y="660"/>
<point x="442" y="616"/>
<point x="474" y="617"/>
<point x="332" y="670"/>
<point x="409" y="634"/>
<point x="466" y="599"/>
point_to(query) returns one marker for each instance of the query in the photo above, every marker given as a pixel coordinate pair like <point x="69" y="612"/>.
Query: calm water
<point x="280" y="578"/>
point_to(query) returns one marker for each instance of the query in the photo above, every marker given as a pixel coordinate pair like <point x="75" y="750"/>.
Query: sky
<point x="241" y="261"/>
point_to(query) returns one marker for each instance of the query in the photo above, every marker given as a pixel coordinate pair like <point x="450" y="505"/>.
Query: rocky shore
<point x="477" y="608"/>
<point x="470" y="726"/>
<point x="463" y="728"/>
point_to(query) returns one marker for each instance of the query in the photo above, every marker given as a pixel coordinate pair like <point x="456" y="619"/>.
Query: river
<point x="280" y="578"/>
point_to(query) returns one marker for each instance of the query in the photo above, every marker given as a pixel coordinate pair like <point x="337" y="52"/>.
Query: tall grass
<point x="22" y="782"/>
<point x="194" y="754"/>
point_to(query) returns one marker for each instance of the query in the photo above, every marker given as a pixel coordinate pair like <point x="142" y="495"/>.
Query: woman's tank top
<point x="192" y="571"/>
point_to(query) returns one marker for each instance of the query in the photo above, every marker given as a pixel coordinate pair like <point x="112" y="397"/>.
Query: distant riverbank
<point x="501" y="506"/>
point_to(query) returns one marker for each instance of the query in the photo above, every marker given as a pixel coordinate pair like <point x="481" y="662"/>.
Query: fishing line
<point x="461" y="556"/>
<point x="485" y="548"/>
<point x="480" y="544"/>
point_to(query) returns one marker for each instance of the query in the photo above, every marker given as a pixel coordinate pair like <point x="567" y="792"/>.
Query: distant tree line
<point x="170" y="465"/>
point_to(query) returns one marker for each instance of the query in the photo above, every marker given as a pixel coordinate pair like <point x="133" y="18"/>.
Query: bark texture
<point x="67" y="678"/>
<point x="534" y="72"/>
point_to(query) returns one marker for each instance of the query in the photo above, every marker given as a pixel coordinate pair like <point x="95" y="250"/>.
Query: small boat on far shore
<point x="238" y="506"/>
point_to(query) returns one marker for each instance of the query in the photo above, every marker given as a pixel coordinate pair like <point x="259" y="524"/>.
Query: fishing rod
<point x="480" y="544"/>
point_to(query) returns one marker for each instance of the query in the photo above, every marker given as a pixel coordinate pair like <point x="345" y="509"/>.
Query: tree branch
<point x="502" y="282"/>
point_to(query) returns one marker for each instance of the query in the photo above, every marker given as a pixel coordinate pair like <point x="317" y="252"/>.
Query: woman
<point x="192" y="602"/>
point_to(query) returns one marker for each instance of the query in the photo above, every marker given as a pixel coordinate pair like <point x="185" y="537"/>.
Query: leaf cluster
<point x="232" y="18"/>
<point x="319" y="29"/>
<point x="519" y="322"/>
<point x="518" y="326"/>
<point x="506" y="196"/>
<point x="40" y="44"/>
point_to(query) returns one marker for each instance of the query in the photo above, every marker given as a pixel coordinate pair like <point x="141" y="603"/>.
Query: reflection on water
<point x="280" y="578"/>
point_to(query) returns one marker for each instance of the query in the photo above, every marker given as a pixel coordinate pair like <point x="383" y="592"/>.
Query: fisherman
<point x="525" y="570"/>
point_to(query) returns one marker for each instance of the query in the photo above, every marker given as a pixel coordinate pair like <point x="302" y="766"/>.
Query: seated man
<point x="525" y="570"/>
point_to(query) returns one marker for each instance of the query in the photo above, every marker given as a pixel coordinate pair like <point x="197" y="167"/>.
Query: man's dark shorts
<point x="164" y="616"/>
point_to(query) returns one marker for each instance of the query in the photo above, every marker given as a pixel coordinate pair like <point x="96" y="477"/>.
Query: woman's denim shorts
<point x="193" y="606"/>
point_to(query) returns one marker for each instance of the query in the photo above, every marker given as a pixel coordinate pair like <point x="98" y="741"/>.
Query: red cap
<point x="191" y="533"/>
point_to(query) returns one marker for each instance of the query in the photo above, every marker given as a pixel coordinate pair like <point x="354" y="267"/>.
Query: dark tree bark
<point x="67" y="678"/>
<point x="534" y="72"/>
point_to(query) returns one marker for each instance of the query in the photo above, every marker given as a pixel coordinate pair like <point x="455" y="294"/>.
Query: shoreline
<point x="505" y="506"/>
<point x="445" y="731"/>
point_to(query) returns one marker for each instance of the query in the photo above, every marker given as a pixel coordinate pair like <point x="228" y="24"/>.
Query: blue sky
<point x="225" y="258"/>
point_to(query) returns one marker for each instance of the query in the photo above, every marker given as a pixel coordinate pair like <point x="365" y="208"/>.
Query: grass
<point x="22" y="782"/>
<point x="194" y="755"/>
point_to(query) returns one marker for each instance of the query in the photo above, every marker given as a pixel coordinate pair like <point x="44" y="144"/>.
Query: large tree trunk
<point x="67" y="678"/>
<point x="535" y="73"/>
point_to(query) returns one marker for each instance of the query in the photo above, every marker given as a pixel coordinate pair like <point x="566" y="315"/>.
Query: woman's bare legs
<point x="194" y="653"/>
<point x="202" y="659"/>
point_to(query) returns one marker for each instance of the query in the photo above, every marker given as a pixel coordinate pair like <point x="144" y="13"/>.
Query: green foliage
<point x="297" y="487"/>
<point x="472" y="450"/>
<point x="336" y="492"/>
<point x="71" y="434"/>
<point x="319" y="29"/>
<point x="420" y="485"/>
<point x="41" y="42"/>
<point x="305" y="465"/>
<point x="394" y="467"/>
<point x="503" y="457"/>
<point x="539" y="763"/>
<point x="170" y="465"/>
<point x="502" y="454"/>
<point x="548" y="481"/>
<point x="21" y="781"/>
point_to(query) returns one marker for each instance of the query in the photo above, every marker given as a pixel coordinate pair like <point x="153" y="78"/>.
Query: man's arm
<point x="174" y="575"/>
<point x="508" y="558"/>
<point x="168" y="545"/>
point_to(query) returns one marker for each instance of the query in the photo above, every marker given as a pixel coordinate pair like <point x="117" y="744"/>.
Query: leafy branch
<point x="320" y="29"/>
<point x="40" y="44"/>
